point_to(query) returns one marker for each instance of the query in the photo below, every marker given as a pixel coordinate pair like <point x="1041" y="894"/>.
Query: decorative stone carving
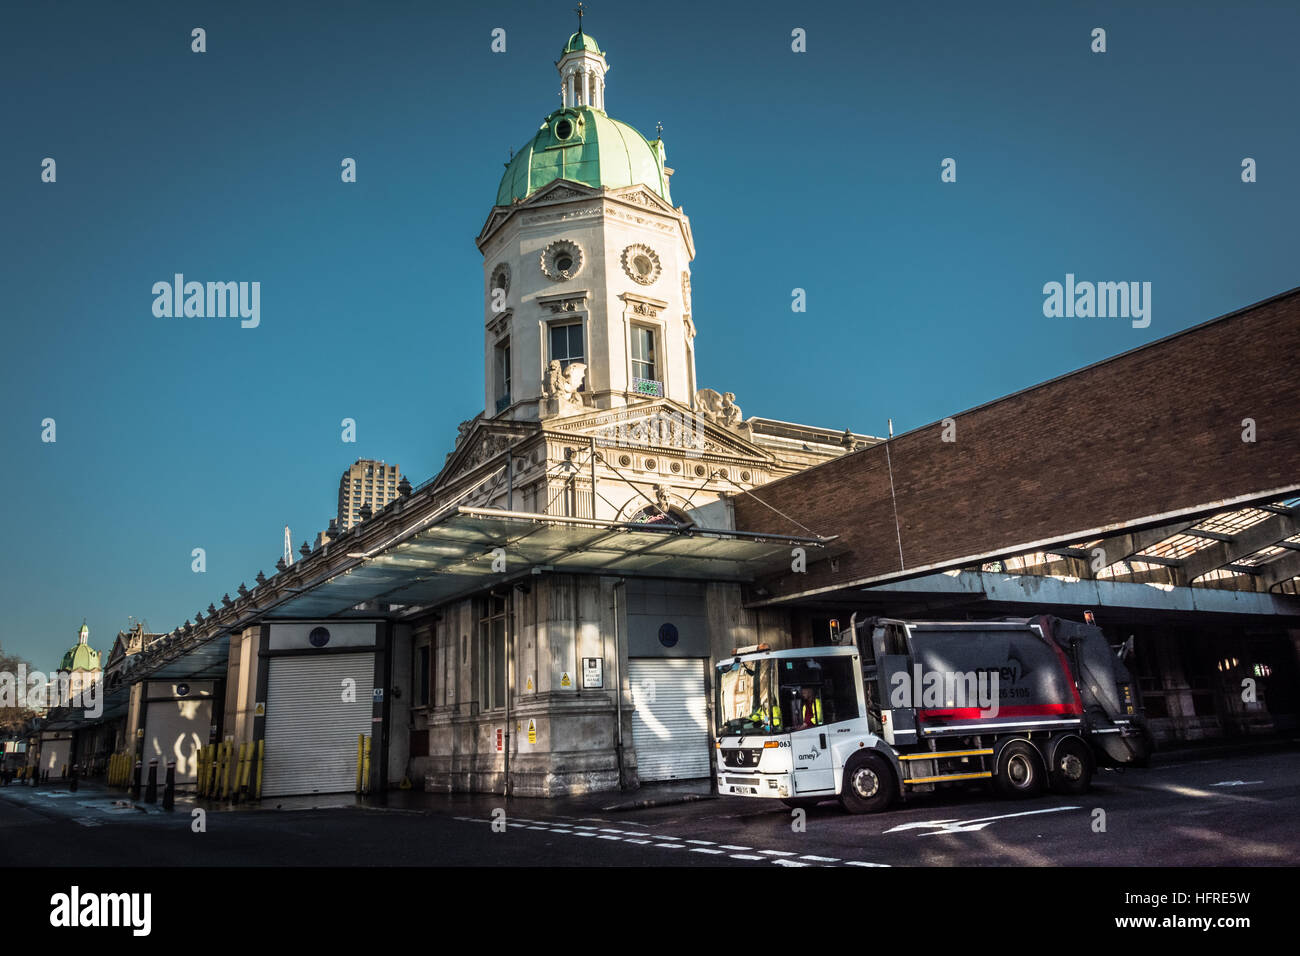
<point x="501" y="277"/>
<point x="565" y="305"/>
<point x="561" y="260"/>
<point x="721" y="409"/>
<point x="641" y="263"/>
<point x="686" y="291"/>
<point x="463" y="429"/>
<point x="562" y="389"/>
<point x="662" y="428"/>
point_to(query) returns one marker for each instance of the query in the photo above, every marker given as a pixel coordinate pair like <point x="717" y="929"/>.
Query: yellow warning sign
<point x="529" y="685"/>
<point x="259" y="709"/>
<point x="532" y="731"/>
<point x="565" y="681"/>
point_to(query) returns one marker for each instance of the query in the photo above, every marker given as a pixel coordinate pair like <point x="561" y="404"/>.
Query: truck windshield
<point x="746" y="704"/>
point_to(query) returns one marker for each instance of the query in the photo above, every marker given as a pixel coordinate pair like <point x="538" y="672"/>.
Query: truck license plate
<point x="749" y="790"/>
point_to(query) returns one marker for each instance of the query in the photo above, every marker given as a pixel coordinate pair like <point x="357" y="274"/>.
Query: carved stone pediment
<point x="480" y="441"/>
<point x="659" y="425"/>
<point x="640" y="196"/>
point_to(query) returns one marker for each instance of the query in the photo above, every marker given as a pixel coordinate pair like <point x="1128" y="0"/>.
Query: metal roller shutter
<point x="55" y="755"/>
<point x="670" y="725"/>
<point x="175" y="730"/>
<point x="311" y="732"/>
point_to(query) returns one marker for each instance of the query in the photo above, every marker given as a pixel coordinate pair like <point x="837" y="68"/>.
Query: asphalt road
<point x="1238" y="811"/>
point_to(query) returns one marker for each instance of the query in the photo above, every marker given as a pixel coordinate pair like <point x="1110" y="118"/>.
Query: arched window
<point x="653" y="514"/>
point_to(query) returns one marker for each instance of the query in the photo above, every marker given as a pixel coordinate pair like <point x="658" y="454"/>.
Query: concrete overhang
<point x="1024" y="589"/>
<point x="470" y="549"/>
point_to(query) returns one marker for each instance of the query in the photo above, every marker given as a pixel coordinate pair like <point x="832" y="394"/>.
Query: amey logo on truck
<point x="945" y="689"/>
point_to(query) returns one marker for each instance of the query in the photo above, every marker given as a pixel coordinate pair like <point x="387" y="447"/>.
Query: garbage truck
<point x="896" y="708"/>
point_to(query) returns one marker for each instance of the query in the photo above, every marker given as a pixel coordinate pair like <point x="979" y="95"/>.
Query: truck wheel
<point x="1019" y="772"/>
<point x="868" y="785"/>
<point x="1071" y="771"/>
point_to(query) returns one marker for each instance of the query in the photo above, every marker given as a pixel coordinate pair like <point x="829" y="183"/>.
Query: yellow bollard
<point x="225" y="771"/>
<point x="248" y="772"/>
<point x="259" y="769"/>
<point x="239" y="771"/>
<point x="365" y="784"/>
<point x="361" y="746"/>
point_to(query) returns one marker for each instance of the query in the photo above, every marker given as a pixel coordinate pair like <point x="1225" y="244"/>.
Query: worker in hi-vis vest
<point x="767" y="716"/>
<point x="810" y="709"/>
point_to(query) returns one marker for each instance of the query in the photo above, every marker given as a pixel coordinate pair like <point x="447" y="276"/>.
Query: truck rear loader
<point x="895" y="708"/>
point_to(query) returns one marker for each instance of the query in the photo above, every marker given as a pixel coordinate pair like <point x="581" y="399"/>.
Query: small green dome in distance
<point x="581" y="42"/>
<point x="81" y="658"/>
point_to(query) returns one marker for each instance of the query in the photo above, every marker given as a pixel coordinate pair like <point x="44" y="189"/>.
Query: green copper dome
<point x="583" y="145"/>
<point x="82" y="657"/>
<point x="581" y="42"/>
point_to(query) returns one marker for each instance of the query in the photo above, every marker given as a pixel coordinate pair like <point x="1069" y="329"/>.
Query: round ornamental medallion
<point x="501" y="278"/>
<point x="561" y="260"/>
<point x="641" y="263"/>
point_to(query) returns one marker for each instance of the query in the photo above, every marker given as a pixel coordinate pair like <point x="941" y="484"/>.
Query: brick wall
<point x="1151" y="431"/>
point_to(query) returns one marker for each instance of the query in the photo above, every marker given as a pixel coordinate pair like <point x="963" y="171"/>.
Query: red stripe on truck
<point x="1024" y="710"/>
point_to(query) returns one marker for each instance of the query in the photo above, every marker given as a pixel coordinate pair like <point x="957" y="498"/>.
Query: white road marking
<point x="788" y="862"/>
<point x="777" y="852"/>
<point x="609" y="830"/>
<point x="582" y="833"/>
<point x="728" y="846"/>
<point x="536" y="828"/>
<point x="702" y="842"/>
<point x="967" y="826"/>
<point x="746" y="856"/>
<point x="860" y="863"/>
<point x="670" y="846"/>
<point x="1235" y="783"/>
<point x="821" y="859"/>
<point x="641" y="842"/>
<point x="609" y="836"/>
<point x="705" y="849"/>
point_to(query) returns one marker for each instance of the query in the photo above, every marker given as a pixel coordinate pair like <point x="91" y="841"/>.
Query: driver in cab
<point x="809" y="712"/>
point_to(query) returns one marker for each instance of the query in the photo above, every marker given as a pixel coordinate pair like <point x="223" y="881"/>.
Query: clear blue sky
<point x="816" y="170"/>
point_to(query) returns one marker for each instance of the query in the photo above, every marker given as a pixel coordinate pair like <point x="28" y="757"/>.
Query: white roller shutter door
<point x="670" y="725"/>
<point x="175" y="730"/>
<point x="55" y="755"/>
<point x="311" y="731"/>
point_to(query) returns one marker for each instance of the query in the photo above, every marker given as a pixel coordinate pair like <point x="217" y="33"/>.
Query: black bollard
<point x="135" y="780"/>
<point x="151" y="788"/>
<point x="72" y="778"/>
<point x="169" y="786"/>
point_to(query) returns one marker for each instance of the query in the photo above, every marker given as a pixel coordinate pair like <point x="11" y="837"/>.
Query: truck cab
<point x="787" y="722"/>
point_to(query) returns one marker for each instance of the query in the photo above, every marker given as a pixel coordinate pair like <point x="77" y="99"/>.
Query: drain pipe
<point x="618" y="695"/>
<point x="510" y="684"/>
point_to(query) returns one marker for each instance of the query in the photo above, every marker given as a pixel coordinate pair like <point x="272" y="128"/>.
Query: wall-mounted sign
<point x="319" y="637"/>
<point x="532" y="731"/>
<point x="668" y="635"/>
<point x="566" y="680"/>
<point x="379" y="695"/>
<point x="259" y="709"/>
<point x="593" y="672"/>
<point x="501" y="739"/>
